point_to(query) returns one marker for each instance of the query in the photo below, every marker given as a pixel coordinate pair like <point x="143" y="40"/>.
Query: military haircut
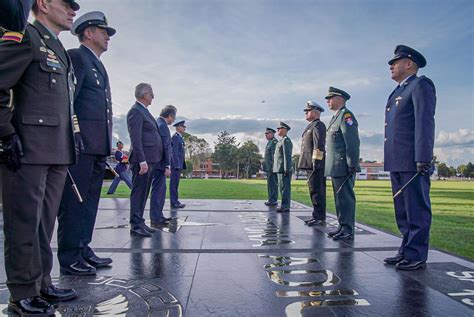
<point x="142" y="89"/>
<point x="168" y="110"/>
<point x="82" y="36"/>
<point x="35" y="8"/>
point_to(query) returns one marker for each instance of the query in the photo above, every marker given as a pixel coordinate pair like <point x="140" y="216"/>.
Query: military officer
<point x="178" y="162"/>
<point x="408" y="152"/>
<point x="283" y="166"/>
<point x="93" y="105"/>
<point x="342" y="161"/>
<point x="37" y="133"/>
<point x="312" y="159"/>
<point x="272" y="178"/>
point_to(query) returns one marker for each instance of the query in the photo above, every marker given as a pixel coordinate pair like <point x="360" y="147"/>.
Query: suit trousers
<point x="140" y="189"/>
<point x="77" y="220"/>
<point x="413" y="214"/>
<point x="345" y="202"/>
<point x="158" y="195"/>
<point x="174" y="184"/>
<point x="284" y="182"/>
<point x="317" y="193"/>
<point x="31" y="198"/>
<point x="272" y="187"/>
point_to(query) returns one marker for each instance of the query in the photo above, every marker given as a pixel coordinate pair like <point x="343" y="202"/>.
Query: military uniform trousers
<point x="174" y="184"/>
<point x="272" y="187"/>
<point x="31" y="198"/>
<point x="76" y="220"/>
<point x="141" y="185"/>
<point x="345" y="203"/>
<point x="284" y="181"/>
<point x="317" y="193"/>
<point x="413" y="214"/>
<point x="158" y="195"/>
<point x="123" y="176"/>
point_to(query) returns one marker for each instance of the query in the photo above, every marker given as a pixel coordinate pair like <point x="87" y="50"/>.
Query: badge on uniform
<point x="318" y="155"/>
<point x="397" y="100"/>
<point x="53" y="63"/>
<point x="348" y="119"/>
<point x="12" y="36"/>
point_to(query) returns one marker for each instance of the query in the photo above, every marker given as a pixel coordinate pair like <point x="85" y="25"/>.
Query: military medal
<point x="43" y="49"/>
<point x="397" y="100"/>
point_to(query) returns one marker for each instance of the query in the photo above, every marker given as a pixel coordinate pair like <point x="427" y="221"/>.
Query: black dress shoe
<point x="148" y="229"/>
<point x="270" y="204"/>
<point x="167" y="219"/>
<point x="408" y="265"/>
<point x="140" y="232"/>
<point x="283" y="210"/>
<point x="343" y="236"/>
<point x="97" y="262"/>
<point x="80" y="268"/>
<point x="316" y="223"/>
<point x="32" y="306"/>
<point x="55" y="294"/>
<point x="159" y="224"/>
<point x="333" y="233"/>
<point x="394" y="259"/>
<point x="180" y="205"/>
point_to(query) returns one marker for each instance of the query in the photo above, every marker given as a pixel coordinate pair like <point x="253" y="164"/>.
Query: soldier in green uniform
<point x="283" y="165"/>
<point x="342" y="161"/>
<point x="272" y="178"/>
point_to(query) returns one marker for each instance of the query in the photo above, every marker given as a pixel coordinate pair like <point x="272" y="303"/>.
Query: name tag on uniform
<point x="318" y="155"/>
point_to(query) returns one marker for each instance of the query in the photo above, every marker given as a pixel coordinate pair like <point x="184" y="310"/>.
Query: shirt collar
<point x="142" y="104"/>
<point x="90" y="49"/>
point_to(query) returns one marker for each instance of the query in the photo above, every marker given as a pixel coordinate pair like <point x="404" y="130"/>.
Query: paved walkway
<point x="238" y="258"/>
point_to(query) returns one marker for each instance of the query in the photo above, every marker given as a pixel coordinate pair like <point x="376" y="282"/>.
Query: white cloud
<point x="456" y="138"/>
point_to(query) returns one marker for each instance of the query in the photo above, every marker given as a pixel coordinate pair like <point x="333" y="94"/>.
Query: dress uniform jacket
<point x="178" y="153"/>
<point x="342" y="144"/>
<point x="282" y="160"/>
<point x="93" y="104"/>
<point x="36" y="103"/>
<point x="313" y="146"/>
<point x="409" y="125"/>
<point x="269" y="153"/>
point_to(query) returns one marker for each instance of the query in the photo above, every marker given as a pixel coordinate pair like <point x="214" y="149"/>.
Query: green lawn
<point x="452" y="204"/>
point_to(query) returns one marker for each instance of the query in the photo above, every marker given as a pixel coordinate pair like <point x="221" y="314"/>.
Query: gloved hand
<point x="423" y="167"/>
<point x="352" y="170"/>
<point x="79" y="145"/>
<point x="12" y="151"/>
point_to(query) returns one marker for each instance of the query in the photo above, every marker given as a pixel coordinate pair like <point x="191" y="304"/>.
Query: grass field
<point x="452" y="204"/>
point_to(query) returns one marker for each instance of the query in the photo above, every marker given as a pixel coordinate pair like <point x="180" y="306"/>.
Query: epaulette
<point x="12" y="36"/>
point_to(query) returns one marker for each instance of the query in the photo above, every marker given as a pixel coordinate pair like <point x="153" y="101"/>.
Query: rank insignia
<point x="43" y="49"/>
<point x="349" y="121"/>
<point x="12" y="36"/>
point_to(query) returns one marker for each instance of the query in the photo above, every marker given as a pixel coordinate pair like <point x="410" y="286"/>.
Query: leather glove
<point x="423" y="167"/>
<point x="79" y="145"/>
<point x="12" y="151"/>
<point x="352" y="170"/>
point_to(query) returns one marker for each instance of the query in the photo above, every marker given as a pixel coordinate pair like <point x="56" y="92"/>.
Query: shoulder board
<point x="12" y="36"/>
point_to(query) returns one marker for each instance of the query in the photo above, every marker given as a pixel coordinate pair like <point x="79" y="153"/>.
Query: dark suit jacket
<point x="39" y="73"/>
<point x="313" y="146"/>
<point x="166" y="140"/>
<point x="410" y="125"/>
<point x="144" y="135"/>
<point x="93" y="101"/>
<point x="178" y="157"/>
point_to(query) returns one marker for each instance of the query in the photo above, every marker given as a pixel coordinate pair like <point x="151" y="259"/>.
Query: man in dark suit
<point x="312" y="159"/>
<point x="93" y="106"/>
<point x="146" y="152"/>
<point x="178" y="163"/>
<point x="162" y="170"/>
<point x="408" y="152"/>
<point x="37" y="133"/>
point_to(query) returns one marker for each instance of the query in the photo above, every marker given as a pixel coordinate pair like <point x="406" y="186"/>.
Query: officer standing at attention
<point x="272" y="178"/>
<point x="283" y="166"/>
<point x="37" y="133"/>
<point x="121" y="168"/>
<point x="312" y="159"/>
<point x="178" y="163"/>
<point x="93" y="106"/>
<point x="342" y="161"/>
<point x="408" y="152"/>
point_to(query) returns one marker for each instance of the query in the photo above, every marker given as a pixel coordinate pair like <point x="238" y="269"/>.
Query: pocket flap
<point x="52" y="69"/>
<point x="40" y="120"/>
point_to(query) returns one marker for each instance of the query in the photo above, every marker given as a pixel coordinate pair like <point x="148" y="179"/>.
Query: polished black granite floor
<point x="240" y="258"/>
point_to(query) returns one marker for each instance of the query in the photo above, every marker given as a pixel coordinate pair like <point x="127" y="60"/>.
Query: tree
<point x="249" y="159"/>
<point x="443" y="170"/>
<point x="197" y="149"/>
<point x="226" y="152"/>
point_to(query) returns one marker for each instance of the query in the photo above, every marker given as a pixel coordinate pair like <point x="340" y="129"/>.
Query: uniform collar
<point x="92" y="51"/>
<point x="54" y="36"/>
<point x="406" y="80"/>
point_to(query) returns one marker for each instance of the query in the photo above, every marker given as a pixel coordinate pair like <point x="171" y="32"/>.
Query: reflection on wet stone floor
<point x="241" y="258"/>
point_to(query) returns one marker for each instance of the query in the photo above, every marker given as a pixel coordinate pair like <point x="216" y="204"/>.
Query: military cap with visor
<point x="93" y="18"/>
<point x="333" y="91"/>
<point x="311" y="105"/>
<point x="180" y="124"/>
<point x="283" y="125"/>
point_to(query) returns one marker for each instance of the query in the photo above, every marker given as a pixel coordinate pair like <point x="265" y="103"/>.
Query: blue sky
<point x="217" y="60"/>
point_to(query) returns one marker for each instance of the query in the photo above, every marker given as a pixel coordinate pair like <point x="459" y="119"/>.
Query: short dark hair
<point x="167" y="111"/>
<point x="82" y="36"/>
<point x="35" y="8"/>
<point x="118" y="142"/>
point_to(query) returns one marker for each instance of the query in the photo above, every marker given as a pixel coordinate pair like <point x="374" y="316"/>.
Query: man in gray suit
<point x="37" y="134"/>
<point x="146" y="152"/>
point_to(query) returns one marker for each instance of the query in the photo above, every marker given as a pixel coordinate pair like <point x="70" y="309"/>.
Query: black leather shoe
<point x="331" y="234"/>
<point x="308" y="220"/>
<point x="315" y="222"/>
<point x="140" y="232"/>
<point x="343" y="236"/>
<point x="407" y="265"/>
<point x="269" y="204"/>
<point x="283" y="210"/>
<point x="80" y="268"/>
<point x="180" y="205"/>
<point x="55" y="294"/>
<point x="167" y="219"/>
<point x="148" y="229"/>
<point x="32" y="306"/>
<point x="97" y="262"/>
<point x="159" y="224"/>
<point x="393" y="260"/>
